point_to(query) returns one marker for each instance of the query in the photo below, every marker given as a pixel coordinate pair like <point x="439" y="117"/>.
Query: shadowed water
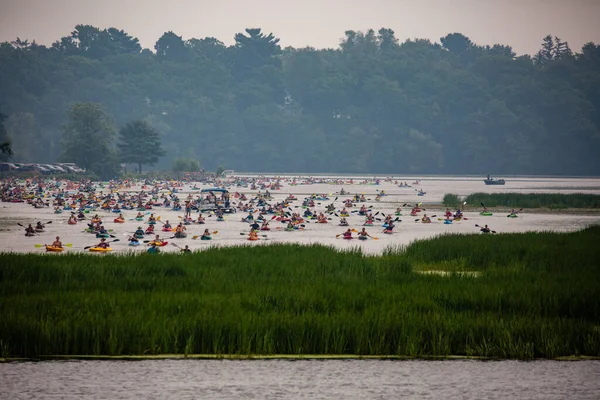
<point x="304" y="379"/>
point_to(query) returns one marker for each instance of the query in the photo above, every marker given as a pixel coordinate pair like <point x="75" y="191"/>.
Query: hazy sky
<point x="316" y="23"/>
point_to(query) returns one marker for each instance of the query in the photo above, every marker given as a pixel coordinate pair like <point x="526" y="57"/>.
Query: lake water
<point x="301" y="379"/>
<point x="12" y="214"/>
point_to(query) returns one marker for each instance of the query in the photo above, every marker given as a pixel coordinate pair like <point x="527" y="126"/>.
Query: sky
<point x="316" y="23"/>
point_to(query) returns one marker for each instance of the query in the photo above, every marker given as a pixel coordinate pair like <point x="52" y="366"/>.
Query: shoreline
<point x="292" y="357"/>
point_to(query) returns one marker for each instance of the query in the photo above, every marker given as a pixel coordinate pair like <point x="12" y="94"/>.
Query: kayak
<point x="100" y="249"/>
<point x="265" y="229"/>
<point x="486" y="213"/>
<point x="205" y="238"/>
<point x="447" y="222"/>
<point x="388" y="231"/>
<point x="58" y="211"/>
<point x="102" y="235"/>
<point x="139" y="218"/>
<point x="134" y="243"/>
<point x="512" y="216"/>
<point x="167" y="229"/>
<point x="365" y="224"/>
<point x="180" y="235"/>
<point x="72" y="223"/>
<point x="348" y="238"/>
<point x="362" y="238"/>
<point x="252" y="238"/>
<point x="398" y="214"/>
<point x="159" y="244"/>
<point x="119" y="221"/>
<point x="426" y="222"/>
<point x="53" y="248"/>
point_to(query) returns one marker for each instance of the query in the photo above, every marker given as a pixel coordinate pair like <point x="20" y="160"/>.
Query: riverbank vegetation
<point x="535" y="295"/>
<point x="527" y="200"/>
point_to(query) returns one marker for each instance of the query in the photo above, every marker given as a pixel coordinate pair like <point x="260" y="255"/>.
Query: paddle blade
<point x="375" y="237"/>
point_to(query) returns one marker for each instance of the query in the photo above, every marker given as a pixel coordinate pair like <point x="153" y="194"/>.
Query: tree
<point x="88" y="137"/>
<point x="140" y="144"/>
<point x="5" y="147"/>
<point x="170" y="47"/>
<point x="21" y="130"/>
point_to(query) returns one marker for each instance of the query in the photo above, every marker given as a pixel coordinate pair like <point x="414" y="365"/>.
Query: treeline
<point x="373" y="105"/>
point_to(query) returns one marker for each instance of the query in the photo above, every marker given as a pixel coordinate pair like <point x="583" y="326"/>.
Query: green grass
<point x="532" y="200"/>
<point x="451" y="200"/>
<point x="537" y="295"/>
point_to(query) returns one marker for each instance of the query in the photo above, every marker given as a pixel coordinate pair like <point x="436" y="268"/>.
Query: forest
<point x="373" y="105"/>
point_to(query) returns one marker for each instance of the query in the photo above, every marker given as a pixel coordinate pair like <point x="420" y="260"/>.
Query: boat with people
<point x="492" y="181"/>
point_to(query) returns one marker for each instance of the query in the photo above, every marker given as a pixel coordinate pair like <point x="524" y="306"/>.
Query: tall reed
<point x="535" y="200"/>
<point x="537" y="296"/>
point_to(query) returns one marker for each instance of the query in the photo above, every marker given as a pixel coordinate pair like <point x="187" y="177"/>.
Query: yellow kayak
<point x="100" y="249"/>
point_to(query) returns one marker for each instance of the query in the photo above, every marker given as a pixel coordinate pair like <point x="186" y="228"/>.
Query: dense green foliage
<point x="536" y="295"/>
<point x="373" y="104"/>
<point x="5" y="145"/>
<point x="140" y="144"/>
<point x="532" y="200"/>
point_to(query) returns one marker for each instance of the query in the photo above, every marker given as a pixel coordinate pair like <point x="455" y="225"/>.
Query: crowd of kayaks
<point x="83" y="201"/>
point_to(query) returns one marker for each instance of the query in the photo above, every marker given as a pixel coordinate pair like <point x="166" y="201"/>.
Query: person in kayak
<point x="200" y="220"/>
<point x="485" y="229"/>
<point x="167" y="225"/>
<point x="102" y="230"/>
<point x="151" y="218"/>
<point x="265" y="226"/>
<point x="139" y="215"/>
<point x="347" y="234"/>
<point x="186" y="249"/>
<point x="157" y="240"/>
<point x="390" y="227"/>
<point x="103" y="244"/>
<point x="485" y="209"/>
<point x="133" y="239"/>
<point x="57" y="243"/>
<point x="343" y="222"/>
<point x="363" y="210"/>
<point x="72" y="220"/>
<point x="39" y="227"/>
<point x="362" y="235"/>
<point x="253" y="235"/>
<point x="205" y="235"/>
<point x="139" y="231"/>
<point x="149" y="230"/>
<point x="425" y="219"/>
<point x="153" y="249"/>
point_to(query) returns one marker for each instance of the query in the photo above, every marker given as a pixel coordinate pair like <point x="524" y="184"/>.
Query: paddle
<point x="482" y="227"/>
<point x="244" y="234"/>
<point x="520" y="209"/>
<point x="197" y="236"/>
<point x="43" y="245"/>
<point x="89" y="247"/>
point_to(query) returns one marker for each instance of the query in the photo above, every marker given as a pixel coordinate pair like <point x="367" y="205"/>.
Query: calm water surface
<point x="304" y="379"/>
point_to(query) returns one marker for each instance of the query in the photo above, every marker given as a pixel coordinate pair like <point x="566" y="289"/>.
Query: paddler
<point x="485" y="229"/>
<point x="140" y="231"/>
<point x="72" y="220"/>
<point x="347" y="234"/>
<point x="362" y="235"/>
<point x="186" y="249"/>
<point x="167" y="225"/>
<point x="205" y="235"/>
<point x="103" y="244"/>
<point x="39" y="227"/>
<point x="343" y="222"/>
<point x="253" y="235"/>
<point x="200" y="219"/>
<point x="153" y="249"/>
<point x="150" y="230"/>
<point x="57" y="243"/>
<point x="425" y="219"/>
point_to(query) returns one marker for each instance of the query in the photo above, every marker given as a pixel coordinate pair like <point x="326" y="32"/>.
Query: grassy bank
<point x="527" y="200"/>
<point x="537" y="295"/>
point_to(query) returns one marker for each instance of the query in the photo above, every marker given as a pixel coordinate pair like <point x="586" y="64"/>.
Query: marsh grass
<point x="533" y="200"/>
<point x="536" y="296"/>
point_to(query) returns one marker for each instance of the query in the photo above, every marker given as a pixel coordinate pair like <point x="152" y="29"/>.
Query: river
<point x="300" y="379"/>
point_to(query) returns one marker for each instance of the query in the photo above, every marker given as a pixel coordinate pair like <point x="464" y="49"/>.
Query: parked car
<point x="7" y="167"/>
